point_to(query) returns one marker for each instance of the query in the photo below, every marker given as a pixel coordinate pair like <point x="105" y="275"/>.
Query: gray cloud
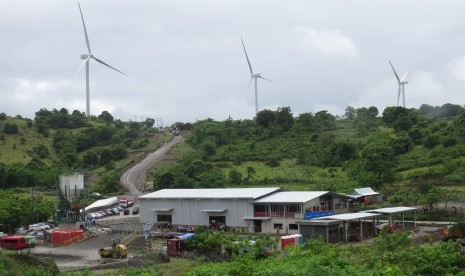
<point x="185" y="61"/>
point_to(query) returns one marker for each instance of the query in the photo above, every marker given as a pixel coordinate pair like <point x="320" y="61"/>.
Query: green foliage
<point x="16" y="211"/>
<point x="108" y="183"/>
<point x="41" y="151"/>
<point x="9" y="128"/>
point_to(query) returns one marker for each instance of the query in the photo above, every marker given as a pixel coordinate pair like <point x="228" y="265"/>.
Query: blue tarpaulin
<point x="312" y="215"/>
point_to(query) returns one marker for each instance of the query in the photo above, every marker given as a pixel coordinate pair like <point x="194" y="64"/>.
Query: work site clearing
<point x="85" y="254"/>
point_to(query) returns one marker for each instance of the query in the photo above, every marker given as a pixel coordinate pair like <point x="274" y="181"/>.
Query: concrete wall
<point x="188" y="211"/>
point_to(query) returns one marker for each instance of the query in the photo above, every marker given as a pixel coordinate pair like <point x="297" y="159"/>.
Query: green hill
<point x="403" y="152"/>
<point x="33" y="152"/>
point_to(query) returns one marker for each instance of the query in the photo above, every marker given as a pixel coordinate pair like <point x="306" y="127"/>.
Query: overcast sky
<point x="185" y="61"/>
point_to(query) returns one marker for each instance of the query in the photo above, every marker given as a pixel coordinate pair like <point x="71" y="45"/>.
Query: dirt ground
<point x="85" y="254"/>
<point x="79" y="255"/>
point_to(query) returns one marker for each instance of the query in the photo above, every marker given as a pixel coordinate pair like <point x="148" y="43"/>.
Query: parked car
<point x="31" y="241"/>
<point x="21" y="231"/>
<point x="126" y="211"/>
<point x="116" y="211"/>
<point x="135" y="211"/>
<point x="52" y="223"/>
<point x="38" y="227"/>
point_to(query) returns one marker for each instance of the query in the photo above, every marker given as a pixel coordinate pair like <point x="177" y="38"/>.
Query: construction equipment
<point x="116" y="251"/>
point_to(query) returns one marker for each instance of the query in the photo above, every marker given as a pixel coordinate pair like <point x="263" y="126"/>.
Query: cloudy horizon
<point x="185" y="61"/>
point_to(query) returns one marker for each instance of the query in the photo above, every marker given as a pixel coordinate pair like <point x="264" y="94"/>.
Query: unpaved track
<point x="133" y="179"/>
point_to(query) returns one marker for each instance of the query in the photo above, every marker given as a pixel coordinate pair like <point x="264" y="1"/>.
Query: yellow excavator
<point x="116" y="251"/>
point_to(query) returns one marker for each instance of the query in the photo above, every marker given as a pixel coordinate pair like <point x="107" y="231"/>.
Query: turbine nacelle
<point x="85" y="56"/>
<point x="403" y="82"/>
<point x="258" y="75"/>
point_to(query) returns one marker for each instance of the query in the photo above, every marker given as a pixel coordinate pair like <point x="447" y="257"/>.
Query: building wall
<point x="188" y="211"/>
<point x="315" y="231"/>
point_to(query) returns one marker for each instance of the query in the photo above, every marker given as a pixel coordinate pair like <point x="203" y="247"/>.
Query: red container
<point x="174" y="246"/>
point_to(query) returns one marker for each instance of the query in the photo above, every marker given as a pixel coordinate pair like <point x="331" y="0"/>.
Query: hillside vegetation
<point x="398" y="151"/>
<point x="34" y="152"/>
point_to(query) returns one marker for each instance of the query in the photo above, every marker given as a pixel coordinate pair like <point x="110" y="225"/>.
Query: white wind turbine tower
<point x="253" y="77"/>
<point x="87" y="58"/>
<point x="401" y="83"/>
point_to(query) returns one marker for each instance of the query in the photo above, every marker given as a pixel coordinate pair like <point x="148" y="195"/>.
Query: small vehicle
<point x="52" y="223"/>
<point x="21" y="231"/>
<point x="38" y="227"/>
<point x="116" y="251"/>
<point x="31" y="241"/>
<point x="116" y="211"/>
<point x="126" y="212"/>
<point x="14" y="242"/>
<point x="135" y="211"/>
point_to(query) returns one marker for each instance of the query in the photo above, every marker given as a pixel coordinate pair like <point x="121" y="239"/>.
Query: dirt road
<point x="133" y="179"/>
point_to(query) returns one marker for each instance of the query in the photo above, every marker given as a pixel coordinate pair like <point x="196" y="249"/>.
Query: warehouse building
<point x="202" y="207"/>
<point x="268" y="210"/>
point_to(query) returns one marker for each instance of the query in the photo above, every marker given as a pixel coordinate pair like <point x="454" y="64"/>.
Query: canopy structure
<point x="102" y="203"/>
<point x="332" y="224"/>
<point x="394" y="210"/>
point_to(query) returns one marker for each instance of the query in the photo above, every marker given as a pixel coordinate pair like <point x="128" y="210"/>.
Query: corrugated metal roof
<point x="392" y="210"/>
<point x="364" y="192"/>
<point x="291" y="197"/>
<point x="351" y="216"/>
<point x="219" y="193"/>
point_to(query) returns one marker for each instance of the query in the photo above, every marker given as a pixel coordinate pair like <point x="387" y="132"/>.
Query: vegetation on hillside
<point x="391" y="254"/>
<point x="34" y="152"/>
<point x="395" y="151"/>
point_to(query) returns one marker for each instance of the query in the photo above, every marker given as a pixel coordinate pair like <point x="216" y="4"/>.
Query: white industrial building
<point x="268" y="210"/>
<point x="195" y="207"/>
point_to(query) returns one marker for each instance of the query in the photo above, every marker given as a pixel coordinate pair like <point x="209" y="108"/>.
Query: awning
<point x="213" y="210"/>
<point x="161" y="210"/>
<point x="256" y="218"/>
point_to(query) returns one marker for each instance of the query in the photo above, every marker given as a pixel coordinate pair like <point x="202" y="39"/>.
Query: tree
<point x="10" y="128"/>
<point x="284" y="118"/>
<point x="2" y="116"/>
<point x="349" y="113"/>
<point x="372" y="112"/>
<point x="106" y="116"/>
<point x="41" y="151"/>
<point x="149" y="122"/>
<point x="265" y="118"/>
<point x="235" y="177"/>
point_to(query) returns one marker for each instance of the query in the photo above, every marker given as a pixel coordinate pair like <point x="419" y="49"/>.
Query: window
<point x="278" y="226"/>
<point x="164" y="218"/>
<point x="293" y="227"/>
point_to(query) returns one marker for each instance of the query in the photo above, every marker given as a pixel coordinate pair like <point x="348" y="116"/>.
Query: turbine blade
<point x="80" y="67"/>
<point x="250" y="81"/>
<point x="247" y="57"/>
<point x="403" y="78"/>
<point x="265" y="79"/>
<point x="85" y="30"/>
<point x="108" y="65"/>
<point x="397" y="77"/>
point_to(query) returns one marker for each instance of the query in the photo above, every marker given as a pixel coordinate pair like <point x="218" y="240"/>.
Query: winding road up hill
<point x="133" y="179"/>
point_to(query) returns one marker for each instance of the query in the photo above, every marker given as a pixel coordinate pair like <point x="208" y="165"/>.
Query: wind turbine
<point x="87" y="58"/>
<point x="401" y="83"/>
<point x="253" y="77"/>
